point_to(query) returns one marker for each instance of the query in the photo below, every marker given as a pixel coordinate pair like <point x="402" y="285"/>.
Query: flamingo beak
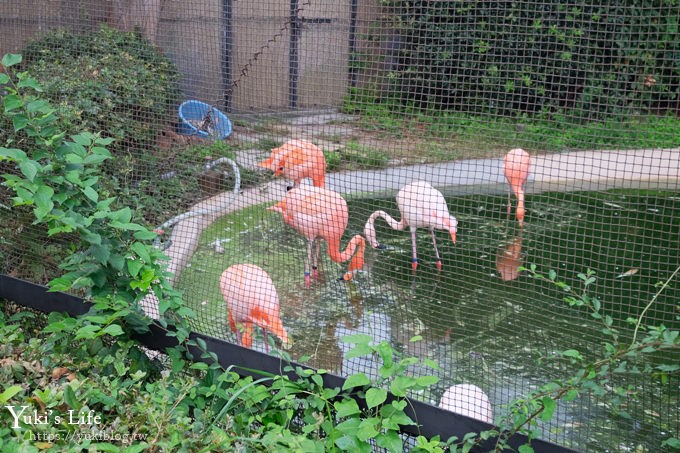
<point x="357" y="261"/>
<point x="278" y="330"/>
<point x="267" y="163"/>
<point x="269" y="322"/>
<point x="279" y="169"/>
<point x="278" y="207"/>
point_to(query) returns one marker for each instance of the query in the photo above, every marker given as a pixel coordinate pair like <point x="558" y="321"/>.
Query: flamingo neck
<point x="342" y="256"/>
<point x="369" y="229"/>
<point x="520" y="207"/>
<point x="319" y="180"/>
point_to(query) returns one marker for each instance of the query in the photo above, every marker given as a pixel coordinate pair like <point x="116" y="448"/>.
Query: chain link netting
<point x="320" y="169"/>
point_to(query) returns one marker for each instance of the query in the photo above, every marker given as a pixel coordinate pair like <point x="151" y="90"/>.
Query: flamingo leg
<point x="265" y="335"/>
<point x="414" y="261"/>
<point x="310" y="246"/>
<point x="509" y="204"/>
<point x="315" y="266"/>
<point x="436" y="250"/>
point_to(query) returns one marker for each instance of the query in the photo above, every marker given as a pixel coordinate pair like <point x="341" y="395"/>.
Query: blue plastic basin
<point x="203" y="120"/>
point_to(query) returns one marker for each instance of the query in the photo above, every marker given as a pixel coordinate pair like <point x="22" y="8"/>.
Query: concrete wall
<point x="323" y="53"/>
<point x="22" y="20"/>
<point x="192" y="34"/>
<point x="261" y="37"/>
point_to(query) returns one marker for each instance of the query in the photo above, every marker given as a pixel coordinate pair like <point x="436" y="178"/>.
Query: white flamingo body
<point x="421" y="206"/>
<point x="468" y="400"/>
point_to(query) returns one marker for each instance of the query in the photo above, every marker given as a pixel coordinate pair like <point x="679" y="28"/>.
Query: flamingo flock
<point x="321" y="215"/>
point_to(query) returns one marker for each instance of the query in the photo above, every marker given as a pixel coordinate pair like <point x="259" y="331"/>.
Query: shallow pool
<point x="477" y="318"/>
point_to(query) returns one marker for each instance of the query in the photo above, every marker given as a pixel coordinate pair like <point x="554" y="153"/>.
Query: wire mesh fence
<point x="323" y="169"/>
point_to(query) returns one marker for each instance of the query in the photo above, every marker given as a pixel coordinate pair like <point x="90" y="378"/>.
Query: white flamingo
<point x="421" y="206"/>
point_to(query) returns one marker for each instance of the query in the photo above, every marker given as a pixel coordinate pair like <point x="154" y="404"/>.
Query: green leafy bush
<point x="106" y="80"/>
<point x="118" y="84"/>
<point x="594" y="60"/>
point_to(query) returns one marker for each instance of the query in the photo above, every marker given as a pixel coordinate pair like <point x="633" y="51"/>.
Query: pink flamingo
<point x="296" y="160"/>
<point x="516" y="168"/>
<point x="319" y="213"/>
<point x="252" y="300"/>
<point x="468" y="400"/>
<point x="421" y="206"/>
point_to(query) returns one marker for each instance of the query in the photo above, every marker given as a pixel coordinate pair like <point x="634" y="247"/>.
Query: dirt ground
<point x="337" y="131"/>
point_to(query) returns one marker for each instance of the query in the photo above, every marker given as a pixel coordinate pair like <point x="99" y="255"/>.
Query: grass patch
<point x="356" y="156"/>
<point x="418" y="136"/>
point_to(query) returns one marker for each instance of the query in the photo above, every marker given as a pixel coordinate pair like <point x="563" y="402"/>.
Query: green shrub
<point x="106" y="80"/>
<point x="119" y="84"/>
<point x="594" y="60"/>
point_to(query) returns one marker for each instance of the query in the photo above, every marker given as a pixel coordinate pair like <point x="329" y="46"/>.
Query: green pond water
<point x="479" y="327"/>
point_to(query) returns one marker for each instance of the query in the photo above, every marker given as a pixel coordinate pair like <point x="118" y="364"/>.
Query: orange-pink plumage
<point x="319" y="213"/>
<point x="252" y="301"/>
<point x="516" y="166"/>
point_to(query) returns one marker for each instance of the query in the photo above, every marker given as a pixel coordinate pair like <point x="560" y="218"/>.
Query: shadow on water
<point x="478" y="318"/>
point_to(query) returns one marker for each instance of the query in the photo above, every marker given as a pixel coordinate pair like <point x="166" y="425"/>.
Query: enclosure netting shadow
<point x="388" y="169"/>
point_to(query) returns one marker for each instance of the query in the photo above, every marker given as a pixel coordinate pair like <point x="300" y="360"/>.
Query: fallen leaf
<point x="628" y="273"/>
<point x="58" y="372"/>
<point x="39" y="402"/>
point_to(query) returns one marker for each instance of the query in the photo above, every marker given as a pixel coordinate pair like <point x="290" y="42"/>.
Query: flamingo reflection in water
<point x="509" y="259"/>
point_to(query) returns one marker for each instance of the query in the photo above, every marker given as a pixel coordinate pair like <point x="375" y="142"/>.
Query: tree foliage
<point x="592" y="59"/>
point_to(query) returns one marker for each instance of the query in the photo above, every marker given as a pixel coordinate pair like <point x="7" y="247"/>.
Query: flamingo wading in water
<point x="421" y="206"/>
<point x="252" y="301"/>
<point x="516" y="168"/>
<point x="297" y="160"/>
<point x="319" y="213"/>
